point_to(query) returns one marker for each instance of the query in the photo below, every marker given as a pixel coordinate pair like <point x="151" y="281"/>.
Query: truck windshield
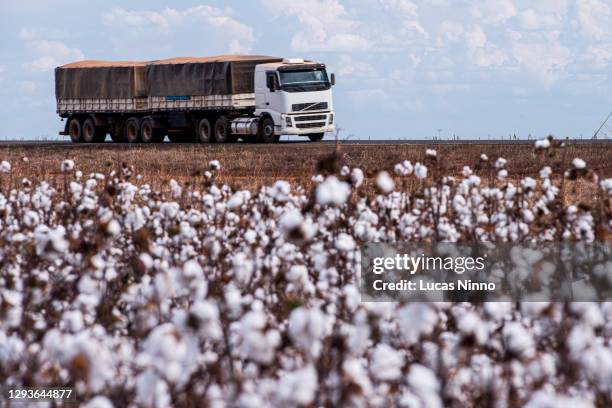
<point x="311" y="77"/>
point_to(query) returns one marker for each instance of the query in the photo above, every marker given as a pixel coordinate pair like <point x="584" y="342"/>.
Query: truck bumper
<point x="305" y="124"/>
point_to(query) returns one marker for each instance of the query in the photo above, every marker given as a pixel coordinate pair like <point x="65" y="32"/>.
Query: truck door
<point x="261" y="90"/>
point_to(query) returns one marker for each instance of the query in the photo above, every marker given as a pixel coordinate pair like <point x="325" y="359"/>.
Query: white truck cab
<point x="296" y="95"/>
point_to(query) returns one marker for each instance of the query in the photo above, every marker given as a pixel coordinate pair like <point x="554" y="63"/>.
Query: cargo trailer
<point x="205" y="99"/>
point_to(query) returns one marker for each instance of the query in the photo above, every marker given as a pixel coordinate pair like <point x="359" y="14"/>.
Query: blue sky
<point x="474" y="68"/>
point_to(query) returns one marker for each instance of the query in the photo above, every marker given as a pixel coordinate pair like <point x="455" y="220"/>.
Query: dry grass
<point x="249" y="166"/>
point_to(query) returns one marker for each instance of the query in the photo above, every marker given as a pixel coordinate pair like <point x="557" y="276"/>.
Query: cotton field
<point x="199" y="295"/>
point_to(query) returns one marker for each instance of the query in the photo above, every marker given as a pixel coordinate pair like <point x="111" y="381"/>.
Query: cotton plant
<point x="160" y="297"/>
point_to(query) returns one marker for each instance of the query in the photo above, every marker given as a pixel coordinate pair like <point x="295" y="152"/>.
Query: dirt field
<point x="251" y="165"/>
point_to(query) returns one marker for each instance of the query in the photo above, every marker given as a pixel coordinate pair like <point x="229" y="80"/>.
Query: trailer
<point x="205" y="99"/>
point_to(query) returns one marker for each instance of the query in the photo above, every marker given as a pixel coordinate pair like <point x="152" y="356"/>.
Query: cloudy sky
<point x="405" y="68"/>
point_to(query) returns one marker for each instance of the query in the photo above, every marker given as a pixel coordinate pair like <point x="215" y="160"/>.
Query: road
<point x="58" y="143"/>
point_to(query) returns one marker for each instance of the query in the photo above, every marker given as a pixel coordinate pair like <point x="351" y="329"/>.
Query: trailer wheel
<point x="132" y="130"/>
<point x="146" y="130"/>
<point x="316" y="137"/>
<point x="75" y="130"/>
<point x="266" y="131"/>
<point x="222" y="130"/>
<point x="204" y="132"/>
<point x="89" y="131"/>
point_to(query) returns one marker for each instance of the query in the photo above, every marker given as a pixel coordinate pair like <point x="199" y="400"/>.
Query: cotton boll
<point x="354" y="370"/>
<point x="578" y="163"/>
<point x="257" y="343"/>
<point x="425" y="385"/>
<point x="306" y="327"/>
<point x="416" y="320"/>
<point x="545" y="172"/>
<point x="242" y="267"/>
<point x="280" y="191"/>
<point x="298" y="274"/>
<point x="98" y="402"/>
<point x="5" y="167"/>
<point x="518" y="340"/>
<point x="345" y="243"/>
<point x="290" y="220"/>
<point x="113" y="228"/>
<point x="384" y="182"/>
<point x="332" y="192"/>
<point x="151" y="390"/>
<point x="67" y="165"/>
<point x="298" y="387"/>
<point x="542" y="144"/>
<point x="356" y="177"/>
<point x="386" y="363"/>
<point x="420" y="171"/>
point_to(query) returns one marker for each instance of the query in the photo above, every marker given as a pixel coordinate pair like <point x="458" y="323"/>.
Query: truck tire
<point x="266" y="131"/>
<point x="75" y="130"/>
<point x="93" y="133"/>
<point x="146" y="130"/>
<point x="132" y="130"/>
<point x="204" y="134"/>
<point x="316" y="137"/>
<point x="222" y="130"/>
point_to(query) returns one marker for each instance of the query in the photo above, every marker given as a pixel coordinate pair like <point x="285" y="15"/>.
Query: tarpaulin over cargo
<point x="221" y="75"/>
<point x="100" y="79"/>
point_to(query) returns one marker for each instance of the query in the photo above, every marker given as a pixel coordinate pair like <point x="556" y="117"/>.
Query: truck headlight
<point x="331" y="118"/>
<point x="288" y="121"/>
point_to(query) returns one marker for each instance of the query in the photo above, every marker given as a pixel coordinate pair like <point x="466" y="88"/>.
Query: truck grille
<point x="298" y="107"/>
<point x="311" y="117"/>
<point x="309" y="125"/>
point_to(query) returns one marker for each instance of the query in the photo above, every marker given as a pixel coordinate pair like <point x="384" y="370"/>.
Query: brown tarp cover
<point x="100" y="79"/>
<point x="224" y="74"/>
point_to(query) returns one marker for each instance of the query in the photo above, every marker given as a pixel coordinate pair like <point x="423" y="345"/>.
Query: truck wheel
<point x="266" y="131"/>
<point x="222" y="131"/>
<point x="132" y="130"/>
<point x="89" y="131"/>
<point x="75" y="130"/>
<point x="204" y="132"/>
<point x="146" y="130"/>
<point x="316" y="137"/>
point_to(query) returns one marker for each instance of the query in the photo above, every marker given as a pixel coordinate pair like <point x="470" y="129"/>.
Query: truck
<point x="195" y="99"/>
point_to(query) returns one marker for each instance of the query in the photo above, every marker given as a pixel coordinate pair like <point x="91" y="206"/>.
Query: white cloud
<point x="347" y="66"/>
<point x="595" y="18"/>
<point x="546" y="60"/>
<point x="494" y="11"/>
<point x="403" y="6"/>
<point x="50" y="53"/>
<point x="240" y="36"/>
<point x="324" y="25"/>
<point x="599" y="56"/>
<point x="531" y="20"/>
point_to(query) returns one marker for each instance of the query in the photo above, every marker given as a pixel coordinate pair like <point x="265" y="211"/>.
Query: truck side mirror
<point x="333" y="79"/>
